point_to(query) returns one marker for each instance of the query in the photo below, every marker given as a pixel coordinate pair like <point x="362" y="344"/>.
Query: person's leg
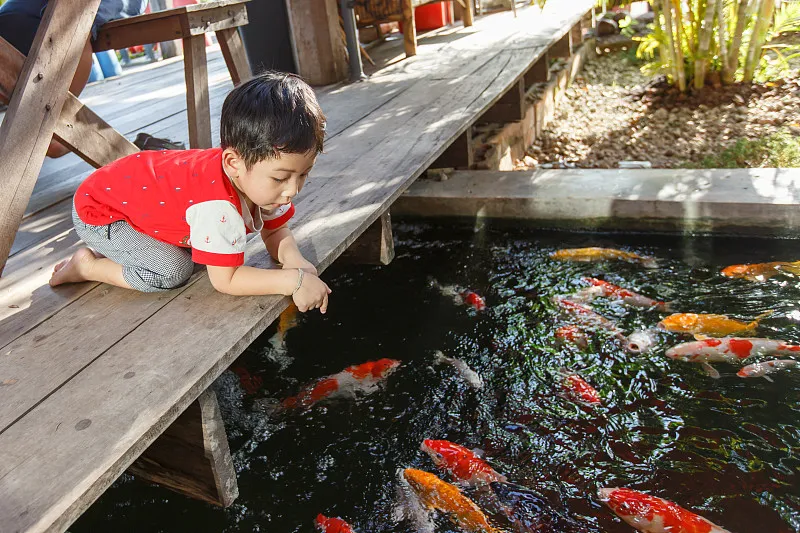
<point x="84" y="265"/>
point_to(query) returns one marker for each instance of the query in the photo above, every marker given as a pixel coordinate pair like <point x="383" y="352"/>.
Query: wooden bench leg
<point x="192" y="456"/>
<point x="464" y="7"/>
<point x="197" y="104"/>
<point x="409" y="29"/>
<point x="35" y="108"/>
<point x="374" y="247"/>
<point x="230" y="43"/>
<point x="78" y="127"/>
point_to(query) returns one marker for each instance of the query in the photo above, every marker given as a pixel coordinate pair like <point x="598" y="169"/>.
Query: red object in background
<point x="432" y="16"/>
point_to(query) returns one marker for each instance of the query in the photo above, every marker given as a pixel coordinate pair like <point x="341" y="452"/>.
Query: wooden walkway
<point x="91" y="375"/>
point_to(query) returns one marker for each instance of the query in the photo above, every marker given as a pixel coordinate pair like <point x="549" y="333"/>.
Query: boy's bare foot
<point x="74" y="269"/>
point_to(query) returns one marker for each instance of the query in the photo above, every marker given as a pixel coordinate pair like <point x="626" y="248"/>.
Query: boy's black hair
<point x="272" y="113"/>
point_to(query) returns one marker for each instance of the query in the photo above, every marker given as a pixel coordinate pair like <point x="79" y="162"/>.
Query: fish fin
<point x="791" y="268"/>
<point x="768" y="379"/>
<point x="439" y="357"/>
<point x="649" y="262"/>
<point x="710" y="370"/>
<point x="762" y="316"/>
<point x="666" y="307"/>
<point x="479" y="453"/>
<point x="700" y="337"/>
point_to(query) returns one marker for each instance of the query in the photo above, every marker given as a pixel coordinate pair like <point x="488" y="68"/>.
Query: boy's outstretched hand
<point x="312" y="294"/>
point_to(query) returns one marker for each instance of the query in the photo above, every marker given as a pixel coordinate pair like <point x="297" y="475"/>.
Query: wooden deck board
<point x="112" y="373"/>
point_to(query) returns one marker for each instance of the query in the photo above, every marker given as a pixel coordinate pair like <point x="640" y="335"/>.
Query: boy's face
<point x="272" y="182"/>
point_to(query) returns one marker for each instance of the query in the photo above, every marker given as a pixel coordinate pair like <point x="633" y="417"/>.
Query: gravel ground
<point x="615" y="113"/>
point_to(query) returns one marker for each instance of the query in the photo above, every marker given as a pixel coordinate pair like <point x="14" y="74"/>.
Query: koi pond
<point x="727" y="449"/>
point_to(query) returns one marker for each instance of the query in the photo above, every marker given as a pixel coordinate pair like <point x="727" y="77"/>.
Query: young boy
<point x="149" y="216"/>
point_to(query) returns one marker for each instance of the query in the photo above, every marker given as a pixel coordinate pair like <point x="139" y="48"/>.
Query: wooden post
<point x="374" y="247"/>
<point x="510" y="107"/>
<point x="318" y="49"/>
<point x="409" y="29"/>
<point x="36" y="105"/>
<point x="539" y="72"/>
<point x="468" y="15"/>
<point x="230" y="43"/>
<point x="576" y="36"/>
<point x="192" y="456"/>
<point x="197" y="105"/>
<point x="459" y="154"/>
<point x="562" y="47"/>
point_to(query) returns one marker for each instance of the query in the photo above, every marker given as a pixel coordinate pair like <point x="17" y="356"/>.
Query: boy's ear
<point x="232" y="162"/>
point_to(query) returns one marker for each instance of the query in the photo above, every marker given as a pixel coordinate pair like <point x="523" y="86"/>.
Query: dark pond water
<point x="726" y="449"/>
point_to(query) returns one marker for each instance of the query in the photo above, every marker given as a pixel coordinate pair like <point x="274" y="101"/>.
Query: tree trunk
<point x="704" y="40"/>
<point x="678" y="45"/>
<point x="722" y="30"/>
<point x="763" y="21"/>
<point x="734" y="51"/>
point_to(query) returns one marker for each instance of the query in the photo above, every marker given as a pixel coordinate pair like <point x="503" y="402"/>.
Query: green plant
<point x="781" y="150"/>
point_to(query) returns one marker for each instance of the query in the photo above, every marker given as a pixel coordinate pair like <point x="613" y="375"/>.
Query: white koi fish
<point x="732" y="350"/>
<point x="642" y="341"/>
<point x="470" y="376"/>
<point x="760" y="370"/>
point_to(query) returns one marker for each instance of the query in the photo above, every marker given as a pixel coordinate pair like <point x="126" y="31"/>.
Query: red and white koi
<point x="577" y="388"/>
<point x="760" y="370"/>
<point x="584" y="314"/>
<point x="654" y="515"/>
<point x="332" y="525"/>
<point x="364" y="378"/>
<point x="472" y="378"/>
<point x="461" y="296"/>
<point x="573" y="334"/>
<point x="600" y="288"/>
<point x="732" y="350"/>
<point x="460" y="462"/>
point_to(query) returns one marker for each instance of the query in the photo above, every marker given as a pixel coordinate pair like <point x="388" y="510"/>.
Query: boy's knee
<point x="178" y="273"/>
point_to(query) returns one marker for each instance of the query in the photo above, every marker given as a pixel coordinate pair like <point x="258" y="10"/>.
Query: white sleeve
<point x="217" y="233"/>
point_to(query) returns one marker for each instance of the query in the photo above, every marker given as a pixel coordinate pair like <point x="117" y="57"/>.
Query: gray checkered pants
<point x="148" y="265"/>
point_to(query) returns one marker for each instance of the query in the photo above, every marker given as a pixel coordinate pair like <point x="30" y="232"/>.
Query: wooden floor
<point x="90" y="374"/>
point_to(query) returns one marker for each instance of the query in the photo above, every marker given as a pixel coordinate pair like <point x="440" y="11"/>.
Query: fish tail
<point x="650" y="262"/>
<point x="666" y="307"/>
<point x="768" y="379"/>
<point x="792" y="268"/>
<point x="710" y="370"/>
<point x="757" y="320"/>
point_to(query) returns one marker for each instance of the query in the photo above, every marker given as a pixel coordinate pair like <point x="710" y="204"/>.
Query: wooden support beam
<point x="561" y="48"/>
<point x="78" y="127"/>
<point x="192" y="456"/>
<point x="539" y="72"/>
<point x="316" y="43"/>
<point x="409" y="29"/>
<point x="232" y="48"/>
<point x="459" y="154"/>
<point x="35" y="107"/>
<point x="510" y="107"/>
<point x="198" y="108"/>
<point x="576" y="36"/>
<point x="374" y="247"/>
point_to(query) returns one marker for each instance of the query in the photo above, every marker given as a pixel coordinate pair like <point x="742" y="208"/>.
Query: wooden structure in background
<point x="79" y="404"/>
<point x="319" y="51"/>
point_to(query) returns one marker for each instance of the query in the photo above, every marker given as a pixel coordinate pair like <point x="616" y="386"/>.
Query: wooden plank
<point x="230" y="42"/>
<point x="153" y="31"/>
<point x="459" y="154"/>
<point x="197" y="103"/>
<point x="35" y="107"/>
<point x="200" y="21"/>
<point x="539" y="72"/>
<point x="189" y="8"/>
<point x="509" y="108"/>
<point x="374" y="247"/>
<point x="192" y="456"/>
<point x="318" y="50"/>
<point x="409" y="29"/>
<point x="562" y="48"/>
<point x="576" y="36"/>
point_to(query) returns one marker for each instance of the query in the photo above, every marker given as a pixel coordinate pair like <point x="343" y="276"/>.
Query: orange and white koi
<point x="460" y="462"/>
<point x="605" y="289"/>
<point x="363" y="378"/>
<point x="760" y="370"/>
<point x="433" y="493"/>
<point x="461" y="296"/>
<point x="472" y="378"/>
<point x="710" y="325"/>
<point x="577" y="388"/>
<point x="573" y="334"/>
<point x="732" y="350"/>
<point x="286" y="321"/>
<point x="762" y="271"/>
<point x="332" y="525"/>
<point x="653" y="515"/>
<point x="602" y="254"/>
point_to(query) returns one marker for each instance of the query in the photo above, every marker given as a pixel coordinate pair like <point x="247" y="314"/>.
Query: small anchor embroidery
<point x="234" y="242"/>
<point x="223" y="219"/>
<point x="208" y="239"/>
<point x="185" y="241"/>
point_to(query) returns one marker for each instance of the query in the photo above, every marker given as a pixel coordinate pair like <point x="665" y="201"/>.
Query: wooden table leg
<point x="230" y="43"/>
<point x="409" y="29"/>
<point x="468" y="15"/>
<point x="36" y="106"/>
<point x="197" y="104"/>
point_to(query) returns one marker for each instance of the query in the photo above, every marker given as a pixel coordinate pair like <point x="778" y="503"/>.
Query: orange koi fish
<point x="433" y="493"/>
<point x="578" y="389"/>
<point x="332" y="525"/>
<point x="573" y="334"/>
<point x="609" y="290"/>
<point x="460" y="462"/>
<point x="602" y="254"/>
<point x="654" y="515"/>
<point x="363" y="378"/>
<point x="710" y="325"/>
<point x="762" y="271"/>
<point x="760" y="370"/>
<point x="286" y="321"/>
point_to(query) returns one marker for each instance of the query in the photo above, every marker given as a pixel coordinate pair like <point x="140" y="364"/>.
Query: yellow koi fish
<point x="602" y="254"/>
<point x="708" y="325"/>
<point x="434" y="493"/>
<point x="762" y="271"/>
